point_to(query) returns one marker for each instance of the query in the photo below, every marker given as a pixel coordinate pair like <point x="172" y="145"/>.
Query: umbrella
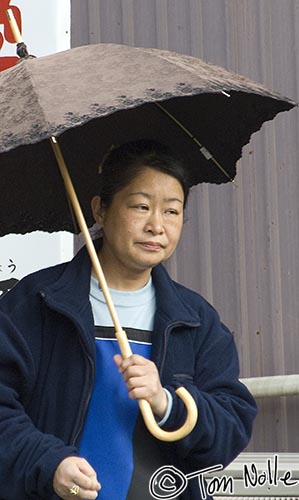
<point x="95" y="96"/>
<point x="119" y="93"/>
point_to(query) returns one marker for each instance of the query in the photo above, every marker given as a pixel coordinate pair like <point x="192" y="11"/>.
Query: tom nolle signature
<point x="169" y="482"/>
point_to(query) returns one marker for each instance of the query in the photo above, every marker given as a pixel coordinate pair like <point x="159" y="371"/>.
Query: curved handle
<point x="120" y="334"/>
<point x="145" y="407"/>
<point x="180" y="433"/>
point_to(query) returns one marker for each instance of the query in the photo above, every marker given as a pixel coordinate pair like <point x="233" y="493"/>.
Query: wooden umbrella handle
<point x="180" y="433"/>
<point x="145" y="407"/>
<point x="120" y="334"/>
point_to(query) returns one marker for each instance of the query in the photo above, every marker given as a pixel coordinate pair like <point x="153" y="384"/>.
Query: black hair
<point x="124" y="162"/>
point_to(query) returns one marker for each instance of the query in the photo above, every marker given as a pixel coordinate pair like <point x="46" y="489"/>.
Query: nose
<point x="154" y="223"/>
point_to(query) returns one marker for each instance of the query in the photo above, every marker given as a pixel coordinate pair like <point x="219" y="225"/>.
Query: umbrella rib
<point x="204" y="151"/>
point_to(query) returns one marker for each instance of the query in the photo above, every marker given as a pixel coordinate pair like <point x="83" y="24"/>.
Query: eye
<point x="172" y="211"/>
<point x="140" y="207"/>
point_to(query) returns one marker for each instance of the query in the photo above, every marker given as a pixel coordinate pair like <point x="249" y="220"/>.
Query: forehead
<point x="154" y="182"/>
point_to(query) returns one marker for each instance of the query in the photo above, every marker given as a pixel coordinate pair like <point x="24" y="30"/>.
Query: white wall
<point x="45" y="30"/>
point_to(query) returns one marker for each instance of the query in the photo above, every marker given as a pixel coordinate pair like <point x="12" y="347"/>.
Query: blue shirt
<point x="107" y="440"/>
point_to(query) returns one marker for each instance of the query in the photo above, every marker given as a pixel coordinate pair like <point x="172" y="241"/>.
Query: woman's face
<point x="142" y="226"/>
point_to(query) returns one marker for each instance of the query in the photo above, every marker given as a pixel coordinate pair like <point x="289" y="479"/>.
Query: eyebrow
<point x="149" y="196"/>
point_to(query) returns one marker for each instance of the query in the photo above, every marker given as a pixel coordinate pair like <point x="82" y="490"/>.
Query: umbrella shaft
<point x="84" y="229"/>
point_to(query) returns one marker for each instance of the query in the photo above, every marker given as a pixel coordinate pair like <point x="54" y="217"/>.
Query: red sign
<point x="8" y="61"/>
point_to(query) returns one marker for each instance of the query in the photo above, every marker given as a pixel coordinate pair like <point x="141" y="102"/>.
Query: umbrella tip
<point x="22" y="51"/>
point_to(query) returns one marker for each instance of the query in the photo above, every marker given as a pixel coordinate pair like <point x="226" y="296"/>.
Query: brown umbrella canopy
<point x="98" y="95"/>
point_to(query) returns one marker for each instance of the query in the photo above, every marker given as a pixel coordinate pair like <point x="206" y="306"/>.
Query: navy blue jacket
<point x="47" y="367"/>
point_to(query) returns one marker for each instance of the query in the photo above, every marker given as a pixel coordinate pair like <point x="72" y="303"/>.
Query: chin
<point x="149" y="264"/>
<point x="144" y="262"/>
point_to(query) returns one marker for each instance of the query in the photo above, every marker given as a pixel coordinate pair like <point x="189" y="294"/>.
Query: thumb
<point x="118" y="360"/>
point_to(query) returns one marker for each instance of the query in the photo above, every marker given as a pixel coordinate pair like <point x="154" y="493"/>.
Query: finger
<point x="88" y="486"/>
<point x="140" y="393"/>
<point x="73" y="490"/>
<point x="80" y="494"/>
<point x="137" y="393"/>
<point x="137" y="382"/>
<point x="135" y="372"/>
<point x="86" y="482"/>
<point x="135" y="359"/>
<point x="89" y="475"/>
<point x="150" y="387"/>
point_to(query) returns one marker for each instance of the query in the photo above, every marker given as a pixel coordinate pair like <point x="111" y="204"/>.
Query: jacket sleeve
<point x="226" y="409"/>
<point x="28" y="458"/>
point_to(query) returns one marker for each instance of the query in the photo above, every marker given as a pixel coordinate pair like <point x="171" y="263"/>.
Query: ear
<point x="97" y="209"/>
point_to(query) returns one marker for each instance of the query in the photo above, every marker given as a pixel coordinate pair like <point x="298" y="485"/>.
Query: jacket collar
<point x="72" y="287"/>
<point x="171" y="298"/>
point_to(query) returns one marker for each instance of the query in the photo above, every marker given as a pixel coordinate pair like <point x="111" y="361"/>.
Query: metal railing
<point x="259" y="476"/>
<point x="281" y="385"/>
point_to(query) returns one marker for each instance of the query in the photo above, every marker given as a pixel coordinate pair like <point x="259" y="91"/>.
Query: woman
<point x="69" y="421"/>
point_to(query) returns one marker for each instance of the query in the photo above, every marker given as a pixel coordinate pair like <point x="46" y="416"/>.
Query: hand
<point x="75" y="471"/>
<point x="143" y="382"/>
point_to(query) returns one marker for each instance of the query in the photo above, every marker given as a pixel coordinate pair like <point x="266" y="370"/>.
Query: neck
<point x="120" y="278"/>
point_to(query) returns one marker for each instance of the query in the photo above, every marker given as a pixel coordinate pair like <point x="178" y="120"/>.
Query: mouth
<point x="151" y="246"/>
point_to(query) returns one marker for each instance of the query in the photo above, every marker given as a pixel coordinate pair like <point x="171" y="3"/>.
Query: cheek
<point x="133" y="223"/>
<point x="128" y="227"/>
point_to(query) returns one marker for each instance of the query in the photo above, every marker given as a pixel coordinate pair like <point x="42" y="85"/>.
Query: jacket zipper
<point x="88" y="387"/>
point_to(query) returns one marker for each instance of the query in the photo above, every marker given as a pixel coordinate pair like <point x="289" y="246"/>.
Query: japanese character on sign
<point x="7" y="284"/>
